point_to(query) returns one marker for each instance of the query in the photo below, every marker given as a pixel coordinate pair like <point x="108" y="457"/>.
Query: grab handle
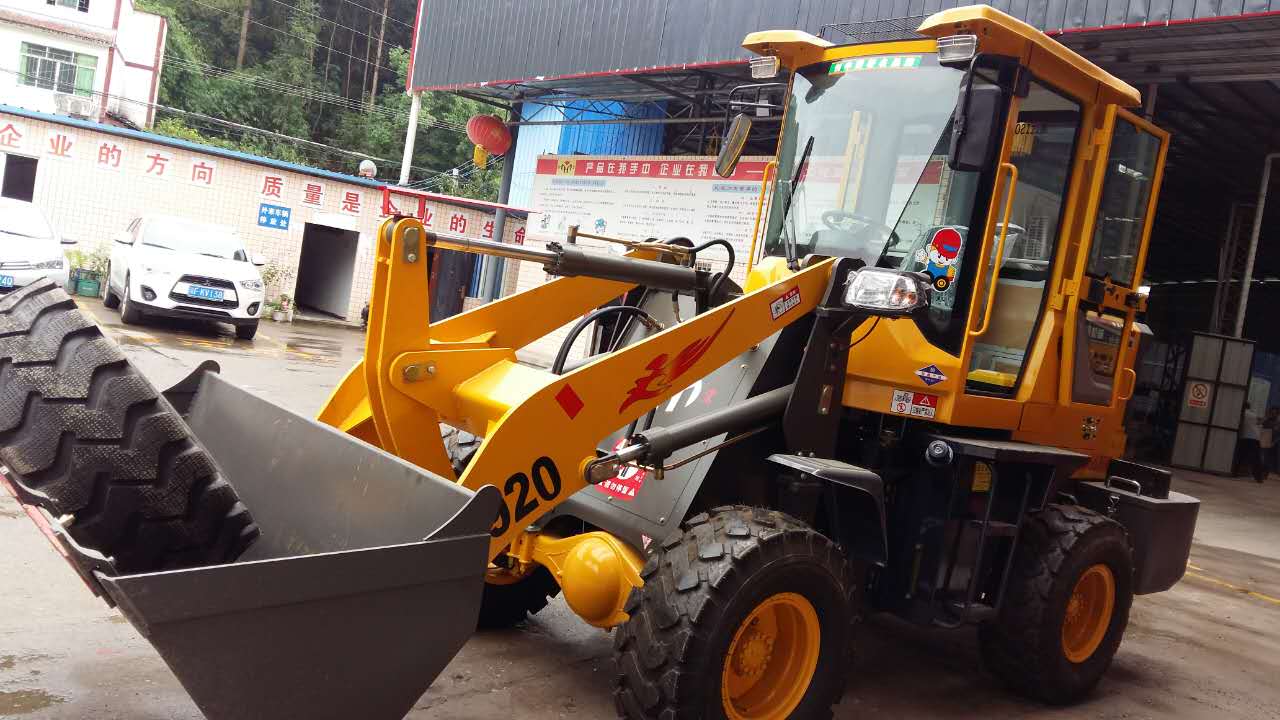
<point x="1004" y="233"/>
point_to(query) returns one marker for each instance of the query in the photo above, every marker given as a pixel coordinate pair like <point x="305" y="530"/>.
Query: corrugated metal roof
<point x="463" y="43"/>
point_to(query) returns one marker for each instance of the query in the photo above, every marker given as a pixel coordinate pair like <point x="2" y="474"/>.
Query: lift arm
<point x="541" y="430"/>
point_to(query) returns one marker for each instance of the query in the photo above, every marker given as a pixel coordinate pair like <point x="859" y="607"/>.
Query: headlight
<point x="49" y="265"/>
<point x="886" y="292"/>
<point x="255" y="285"/>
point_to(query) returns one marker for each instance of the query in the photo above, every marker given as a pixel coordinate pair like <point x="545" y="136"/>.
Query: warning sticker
<point x="906" y="402"/>
<point x="1198" y="394"/>
<point x="626" y="483"/>
<point x="787" y="302"/>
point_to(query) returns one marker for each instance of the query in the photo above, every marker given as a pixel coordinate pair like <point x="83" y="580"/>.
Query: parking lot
<point x="1206" y="649"/>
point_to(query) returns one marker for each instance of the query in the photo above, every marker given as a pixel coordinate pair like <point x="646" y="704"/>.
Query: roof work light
<point x="957" y="48"/>
<point x="763" y="68"/>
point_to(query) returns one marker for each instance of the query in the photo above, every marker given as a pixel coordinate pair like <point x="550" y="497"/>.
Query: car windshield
<point x="872" y="134"/>
<point x="193" y="237"/>
<point x="23" y="221"/>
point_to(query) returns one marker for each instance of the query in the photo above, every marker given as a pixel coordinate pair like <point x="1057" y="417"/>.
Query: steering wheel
<point x="837" y="219"/>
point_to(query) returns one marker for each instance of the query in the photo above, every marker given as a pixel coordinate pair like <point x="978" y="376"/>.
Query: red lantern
<point x="489" y="133"/>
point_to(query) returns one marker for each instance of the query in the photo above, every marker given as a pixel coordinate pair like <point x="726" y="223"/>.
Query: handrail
<point x="1004" y="233"/>
<point x="1132" y="377"/>
<point x="755" y="230"/>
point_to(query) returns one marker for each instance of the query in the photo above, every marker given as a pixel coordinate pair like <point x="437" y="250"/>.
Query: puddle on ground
<point x="9" y="662"/>
<point x="21" y="702"/>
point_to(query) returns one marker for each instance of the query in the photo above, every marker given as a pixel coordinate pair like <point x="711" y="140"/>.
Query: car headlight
<point x="886" y="292"/>
<point x="255" y="285"/>
<point x="49" y="265"/>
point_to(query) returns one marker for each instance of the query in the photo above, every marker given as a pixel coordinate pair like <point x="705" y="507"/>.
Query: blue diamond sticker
<point x="931" y="375"/>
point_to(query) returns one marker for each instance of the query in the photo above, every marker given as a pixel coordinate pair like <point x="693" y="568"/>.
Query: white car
<point x="172" y="267"/>
<point x="29" y="247"/>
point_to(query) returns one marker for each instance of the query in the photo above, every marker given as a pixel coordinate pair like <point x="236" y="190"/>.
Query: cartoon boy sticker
<point x="941" y="255"/>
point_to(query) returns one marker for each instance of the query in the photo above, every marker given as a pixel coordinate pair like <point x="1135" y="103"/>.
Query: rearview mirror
<point x="257" y="259"/>
<point x="735" y="139"/>
<point x="976" y="128"/>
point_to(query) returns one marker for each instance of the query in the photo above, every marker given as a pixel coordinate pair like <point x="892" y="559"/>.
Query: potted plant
<point x="286" y="306"/>
<point x="88" y="271"/>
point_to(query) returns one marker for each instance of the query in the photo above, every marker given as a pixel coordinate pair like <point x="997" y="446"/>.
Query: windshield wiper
<point x="220" y="257"/>
<point x="789" y="245"/>
<point x="157" y="245"/>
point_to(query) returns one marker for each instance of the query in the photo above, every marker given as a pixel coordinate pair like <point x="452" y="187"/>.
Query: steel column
<point x="1259" y="211"/>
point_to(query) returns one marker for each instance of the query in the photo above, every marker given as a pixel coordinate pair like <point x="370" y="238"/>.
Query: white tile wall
<point x="91" y="203"/>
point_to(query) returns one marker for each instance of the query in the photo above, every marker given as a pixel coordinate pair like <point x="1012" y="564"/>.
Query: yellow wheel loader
<point x="912" y="405"/>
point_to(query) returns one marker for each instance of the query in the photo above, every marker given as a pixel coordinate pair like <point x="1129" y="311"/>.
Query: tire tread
<point x="83" y="433"/>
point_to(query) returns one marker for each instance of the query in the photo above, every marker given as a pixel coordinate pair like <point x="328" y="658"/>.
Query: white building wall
<point x="32" y="98"/>
<point x="91" y="202"/>
<point x="128" y="45"/>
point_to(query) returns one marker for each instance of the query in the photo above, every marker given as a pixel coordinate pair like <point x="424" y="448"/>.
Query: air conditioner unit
<point x="75" y="105"/>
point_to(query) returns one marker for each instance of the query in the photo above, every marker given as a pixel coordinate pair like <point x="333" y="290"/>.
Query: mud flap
<point x="365" y="583"/>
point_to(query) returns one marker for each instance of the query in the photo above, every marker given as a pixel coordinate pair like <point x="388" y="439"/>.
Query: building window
<point x="60" y="70"/>
<point x="81" y="5"/>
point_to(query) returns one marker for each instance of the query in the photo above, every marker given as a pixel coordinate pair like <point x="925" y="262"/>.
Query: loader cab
<point x="1034" y="250"/>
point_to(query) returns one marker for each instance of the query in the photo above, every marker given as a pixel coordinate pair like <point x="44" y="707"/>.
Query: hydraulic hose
<point x="557" y="367"/>
<point x="721" y="277"/>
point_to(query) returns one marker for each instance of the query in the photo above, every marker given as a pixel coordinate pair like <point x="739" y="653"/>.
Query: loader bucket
<point x="366" y="580"/>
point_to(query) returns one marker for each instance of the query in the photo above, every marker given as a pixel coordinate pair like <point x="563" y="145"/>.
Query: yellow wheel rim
<point x="1088" y="613"/>
<point x="771" y="660"/>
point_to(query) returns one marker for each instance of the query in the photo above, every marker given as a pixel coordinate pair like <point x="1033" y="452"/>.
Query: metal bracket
<point x="412" y="244"/>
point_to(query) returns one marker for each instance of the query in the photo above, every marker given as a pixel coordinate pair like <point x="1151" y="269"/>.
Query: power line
<point x="375" y="12"/>
<point x="308" y="93"/>
<point x="322" y="18"/>
<point x="226" y="125"/>
<point x="300" y="38"/>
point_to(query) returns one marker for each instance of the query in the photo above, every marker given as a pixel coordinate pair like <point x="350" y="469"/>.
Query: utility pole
<point x="244" y="33"/>
<point x="377" y="58"/>
<point x="410" y="137"/>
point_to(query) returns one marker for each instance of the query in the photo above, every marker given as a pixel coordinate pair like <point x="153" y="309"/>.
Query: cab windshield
<point x="870" y="137"/>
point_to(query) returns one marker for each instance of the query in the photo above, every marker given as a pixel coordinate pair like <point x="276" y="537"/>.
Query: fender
<point x="853" y="499"/>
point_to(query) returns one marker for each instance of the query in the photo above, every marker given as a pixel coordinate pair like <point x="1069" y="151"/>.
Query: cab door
<point x="1098" y="341"/>
<point x="1027" y="229"/>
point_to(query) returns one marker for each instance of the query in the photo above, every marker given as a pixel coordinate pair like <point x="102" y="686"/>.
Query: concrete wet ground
<point x="1209" y="648"/>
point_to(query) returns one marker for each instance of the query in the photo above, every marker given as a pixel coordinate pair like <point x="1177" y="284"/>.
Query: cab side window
<point x="1122" y="212"/>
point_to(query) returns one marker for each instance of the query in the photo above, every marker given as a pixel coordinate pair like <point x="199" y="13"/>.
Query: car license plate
<point x="204" y="293"/>
<point x="6" y="281"/>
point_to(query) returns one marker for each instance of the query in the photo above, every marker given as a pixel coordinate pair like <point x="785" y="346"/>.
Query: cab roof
<point x="997" y="32"/>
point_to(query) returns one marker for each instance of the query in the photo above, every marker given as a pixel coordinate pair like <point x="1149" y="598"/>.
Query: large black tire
<point x="83" y="434"/>
<point x="1024" y="648"/>
<point x="502" y="606"/>
<point x="246" y="332"/>
<point x="700" y="588"/>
